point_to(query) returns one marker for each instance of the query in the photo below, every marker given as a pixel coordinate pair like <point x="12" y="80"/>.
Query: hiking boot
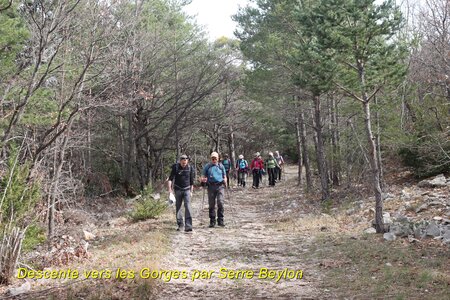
<point x="221" y="224"/>
<point x="180" y="228"/>
<point x="212" y="224"/>
<point x="188" y="230"/>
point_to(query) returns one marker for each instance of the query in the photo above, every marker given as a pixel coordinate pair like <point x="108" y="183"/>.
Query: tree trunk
<point x="121" y="135"/>
<point x="232" y="147"/>
<point x="330" y="158"/>
<point x="141" y="150"/>
<point x="373" y="155"/>
<point x="321" y="161"/>
<point x="57" y="167"/>
<point x="379" y="226"/>
<point x="141" y="162"/>
<point x="378" y="144"/>
<point x="335" y="143"/>
<point x="128" y="157"/>
<point x="309" y="184"/>
<point x="296" y="101"/>
<point x="348" y="149"/>
<point x="89" y="141"/>
<point x="299" y="151"/>
<point x="216" y="138"/>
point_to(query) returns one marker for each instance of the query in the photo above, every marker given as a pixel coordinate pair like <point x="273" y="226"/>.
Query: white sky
<point x="215" y="15"/>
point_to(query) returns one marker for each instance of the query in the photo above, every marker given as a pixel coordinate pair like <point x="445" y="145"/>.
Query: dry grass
<point x="130" y="247"/>
<point x="355" y="265"/>
<point x="371" y="268"/>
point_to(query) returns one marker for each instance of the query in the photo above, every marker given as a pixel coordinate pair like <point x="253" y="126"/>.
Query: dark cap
<point x="184" y="156"/>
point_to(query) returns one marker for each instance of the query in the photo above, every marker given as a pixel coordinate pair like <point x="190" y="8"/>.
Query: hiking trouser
<point x="180" y="196"/>
<point x="278" y="173"/>
<point x="256" y="177"/>
<point x="241" y="178"/>
<point x="272" y="173"/>
<point x="228" y="178"/>
<point x="216" y="192"/>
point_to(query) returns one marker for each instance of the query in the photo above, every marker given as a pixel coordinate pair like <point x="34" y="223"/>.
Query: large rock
<point x="422" y="208"/>
<point x="438" y="181"/>
<point x="420" y="229"/>
<point x="387" y="196"/>
<point x="401" y="219"/>
<point x="370" y="230"/>
<point x="446" y="238"/>
<point x="436" y="203"/>
<point x="24" y="288"/>
<point x="406" y="194"/>
<point x="387" y="221"/>
<point x="387" y="218"/>
<point x="88" y="236"/>
<point x="433" y="230"/>
<point x="419" y="233"/>
<point x="389" y="236"/>
<point x="156" y="196"/>
<point x="401" y="229"/>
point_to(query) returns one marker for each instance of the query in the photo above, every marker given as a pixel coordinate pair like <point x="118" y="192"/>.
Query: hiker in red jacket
<point x="257" y="166"/>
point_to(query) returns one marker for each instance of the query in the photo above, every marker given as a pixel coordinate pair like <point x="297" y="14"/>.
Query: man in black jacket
<point x="181" y="183"/>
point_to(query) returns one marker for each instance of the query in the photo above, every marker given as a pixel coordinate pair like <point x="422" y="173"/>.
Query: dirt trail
<point x="250" y="241"/>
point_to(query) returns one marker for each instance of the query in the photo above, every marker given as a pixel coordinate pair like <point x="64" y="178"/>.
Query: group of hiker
<point x="273" y="166"/>
<point x="216" y="176"/>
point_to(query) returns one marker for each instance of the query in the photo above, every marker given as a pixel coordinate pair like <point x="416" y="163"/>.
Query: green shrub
<point x="428" y="156"/>
<point x="147" y="208"/>
<point x="17" y="196"/>
<point x="35" y="235"/>
<point x="410" y="157"/>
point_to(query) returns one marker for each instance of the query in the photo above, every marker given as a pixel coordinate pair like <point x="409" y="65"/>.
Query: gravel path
<point x="249" y="242"/>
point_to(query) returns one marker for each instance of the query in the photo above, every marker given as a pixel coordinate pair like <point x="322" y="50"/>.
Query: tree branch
<point x="350" y="93"/>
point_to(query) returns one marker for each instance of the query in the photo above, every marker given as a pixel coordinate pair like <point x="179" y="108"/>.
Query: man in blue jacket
<point x="214" y="175"/>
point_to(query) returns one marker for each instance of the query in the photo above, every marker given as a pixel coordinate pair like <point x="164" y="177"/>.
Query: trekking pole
<point x="199" y="213"/>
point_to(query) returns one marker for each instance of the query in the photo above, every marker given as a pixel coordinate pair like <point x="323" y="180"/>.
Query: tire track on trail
<point x="250" y="241"/>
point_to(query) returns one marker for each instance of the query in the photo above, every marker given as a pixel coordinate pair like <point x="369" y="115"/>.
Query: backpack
<point x="222" y="168"/>
<point x="242" y="164"/>
<point x="226" y="163"/>
<point x="177" y="167"/>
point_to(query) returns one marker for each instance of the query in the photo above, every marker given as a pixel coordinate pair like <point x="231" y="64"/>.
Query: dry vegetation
<point x="270" y="227"/>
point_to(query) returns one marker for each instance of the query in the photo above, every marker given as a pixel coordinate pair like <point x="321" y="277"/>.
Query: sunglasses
<point x="213" y="158"/>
